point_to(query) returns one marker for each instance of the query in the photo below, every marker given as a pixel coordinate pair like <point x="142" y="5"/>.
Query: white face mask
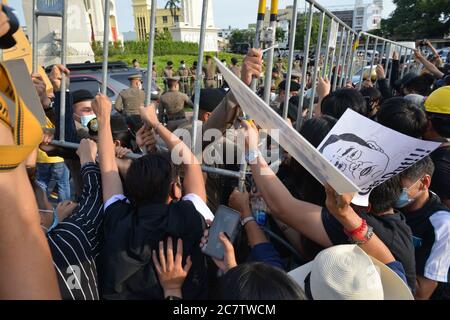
<point x="85" y="119"/>
<point x="140" y="86"/>
<point x="183" y="66"/>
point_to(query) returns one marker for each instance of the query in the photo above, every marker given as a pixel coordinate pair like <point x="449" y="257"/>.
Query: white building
<point x="84" y="25"/>
<point x="95" y="12"/>
<point x="189" y="29"/>
<point x="367" y="16"/>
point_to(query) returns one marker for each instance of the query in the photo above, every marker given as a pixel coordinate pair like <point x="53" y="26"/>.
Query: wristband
<point x="357" y="231"/>
<point x="358" y="240"/>
<point x="247" y="220"/>
<point x="252" y="155"/>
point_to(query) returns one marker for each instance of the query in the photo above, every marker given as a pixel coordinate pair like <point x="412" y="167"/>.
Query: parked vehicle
<point x="88" y="76"/>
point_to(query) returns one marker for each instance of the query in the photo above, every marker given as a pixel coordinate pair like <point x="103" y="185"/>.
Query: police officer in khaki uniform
<point x="210" y="73"/>
<point x="172" y="104"/>
<point x="235" y="68"/>
<point x="129" y="101"/>
<point x="193" y="71"/>
<point x="167" y="73"/>
<point x="184" y="74"/>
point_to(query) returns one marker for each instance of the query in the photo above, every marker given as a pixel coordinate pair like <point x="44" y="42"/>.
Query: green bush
<point x="162" y="48"/>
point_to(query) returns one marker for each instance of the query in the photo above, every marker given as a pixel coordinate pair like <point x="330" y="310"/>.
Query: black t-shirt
<point x="440" y="182"/>
<point x="391" y="229"/>
<point x="127" y="270"/>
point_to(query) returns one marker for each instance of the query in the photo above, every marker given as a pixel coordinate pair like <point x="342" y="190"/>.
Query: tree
<point x="242" y="36"/>
<point x="173" y="5"/>
<point x="301" y="30"/>
<point x="280" y="34"/>
<point x="163" y="36"/>
<point x="417" y="19"/>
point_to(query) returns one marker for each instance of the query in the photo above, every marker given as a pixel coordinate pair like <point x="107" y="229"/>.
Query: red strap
<point x="354" y="233"/>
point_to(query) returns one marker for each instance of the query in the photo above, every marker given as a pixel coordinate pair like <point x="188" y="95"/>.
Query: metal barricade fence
<point x="335" y="58"/>
<point x="405" y="55"/>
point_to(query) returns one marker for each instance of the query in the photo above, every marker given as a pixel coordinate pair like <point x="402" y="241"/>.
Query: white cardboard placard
<point x="297" y="146"/>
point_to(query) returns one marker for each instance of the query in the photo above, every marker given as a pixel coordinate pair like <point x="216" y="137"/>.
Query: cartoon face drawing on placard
<point x="359" y="160"/>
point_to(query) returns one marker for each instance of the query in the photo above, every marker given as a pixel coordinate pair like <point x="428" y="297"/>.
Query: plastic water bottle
<point x="259" y="208"/>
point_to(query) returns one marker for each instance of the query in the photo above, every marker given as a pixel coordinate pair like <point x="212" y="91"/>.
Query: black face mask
<point x="7" y="41"/>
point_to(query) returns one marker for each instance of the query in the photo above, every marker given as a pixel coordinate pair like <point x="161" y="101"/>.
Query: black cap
<point x="169" y="63"/>
<point x="210" y="99"/>
<point x="293" y="108"/>
<point x="182" y="61"/>
<point x="294" y="86"/>
<point x="234" y="60"/>
<point x="82" y="95"/>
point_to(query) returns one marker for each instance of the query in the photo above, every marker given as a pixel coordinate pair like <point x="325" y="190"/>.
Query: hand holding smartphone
<point x="226" y="220"/>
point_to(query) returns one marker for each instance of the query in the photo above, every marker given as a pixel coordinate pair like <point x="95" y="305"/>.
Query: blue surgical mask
<point x="404" y="199"/>
<point x="84" y="120"/>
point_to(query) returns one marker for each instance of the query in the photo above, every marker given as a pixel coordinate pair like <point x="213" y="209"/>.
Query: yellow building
<point x="165" y="19"/>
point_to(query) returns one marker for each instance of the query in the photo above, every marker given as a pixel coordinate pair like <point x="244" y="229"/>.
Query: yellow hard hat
<point x="439" y="101"/>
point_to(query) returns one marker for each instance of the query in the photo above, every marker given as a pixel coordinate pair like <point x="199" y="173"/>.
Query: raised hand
<point x="251" y="66"/>
<point x="148" y="115"/>
<point x="87" y="151"/>
<point x="102" y="107"/>
<point x="240" y="202"/>
<point x="171" y="273"/>
<point x="56" y="76"/>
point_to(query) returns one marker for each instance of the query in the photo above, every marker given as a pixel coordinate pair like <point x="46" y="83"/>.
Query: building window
<point x="360" y="11"/>
<point x="176" y="19"/>
<point x="166" y="29"/>
<point x="359" y="21"/>
<point x="165" y="19"/>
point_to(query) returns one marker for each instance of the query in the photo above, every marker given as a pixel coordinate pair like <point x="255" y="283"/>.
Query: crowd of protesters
<point x="124" y="228"/>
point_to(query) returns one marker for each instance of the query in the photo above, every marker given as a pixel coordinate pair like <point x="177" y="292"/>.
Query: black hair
<point x="234" y="60"/>
<point x="149" y="178"/>
<point x="420" y="168"/>
<point x="403" y="116"/>
<point x="208" y="58"/>
<point x="441" y="123"/>
<point x="300" y="182"/>
<point x="383" y="197"/>
<point x="421" y="84"/>
<point x="169" y="63"/>
<point x="134" y="60"/>
<point x="257" y="281"/>
<point x="346" y="137"/>
<point x="337" y="102"/>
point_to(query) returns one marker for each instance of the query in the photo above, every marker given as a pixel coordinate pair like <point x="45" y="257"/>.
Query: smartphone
<point x="226" y="220"/>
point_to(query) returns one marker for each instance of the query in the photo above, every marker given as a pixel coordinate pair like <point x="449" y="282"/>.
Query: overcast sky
<point x="234" y="13"/>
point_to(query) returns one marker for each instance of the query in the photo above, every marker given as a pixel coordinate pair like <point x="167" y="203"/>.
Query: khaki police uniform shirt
<point x="210" y="71"/>
<point x="174" y="102"/>
<point x="168" y="73"/>
<point x="129" y="101"/>
<point x="236" y="70"/>
<point x="184" y="74"/>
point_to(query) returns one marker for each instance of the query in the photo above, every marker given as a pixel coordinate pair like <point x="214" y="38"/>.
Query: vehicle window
<point x="93" y="86"/>
<point x="122" y="78"/>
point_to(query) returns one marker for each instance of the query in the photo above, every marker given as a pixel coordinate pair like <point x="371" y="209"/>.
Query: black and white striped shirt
<point x="75" y="242"/>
